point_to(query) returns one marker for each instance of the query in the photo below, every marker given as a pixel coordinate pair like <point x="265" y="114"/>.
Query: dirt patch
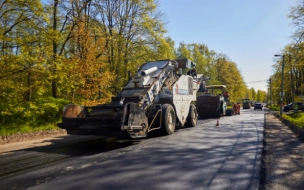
<point x="19" y="137"/>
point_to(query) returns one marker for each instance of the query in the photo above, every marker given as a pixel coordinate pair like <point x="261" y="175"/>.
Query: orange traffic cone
<point x="217" y="123"/>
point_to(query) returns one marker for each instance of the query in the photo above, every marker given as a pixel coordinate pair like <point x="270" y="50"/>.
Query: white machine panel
<point x="183" y="95"/>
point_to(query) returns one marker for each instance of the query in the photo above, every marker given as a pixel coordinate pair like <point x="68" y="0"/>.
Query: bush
<point x="275" y="108"/>
<point x="30" y="116"/>
<point x="296" y="118"/>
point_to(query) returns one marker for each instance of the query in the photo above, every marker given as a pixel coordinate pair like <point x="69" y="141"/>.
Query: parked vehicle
<point x="258" y="105"/>
<point x="299" y="106"/>
<point x="156" y="98"/>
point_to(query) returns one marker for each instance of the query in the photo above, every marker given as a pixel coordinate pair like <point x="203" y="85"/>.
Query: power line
<point x="257" y="81"/>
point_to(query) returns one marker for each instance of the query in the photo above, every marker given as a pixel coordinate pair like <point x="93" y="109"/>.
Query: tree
<point x="222" y="70"/>
<point x="254" y="94"/>
<point x="64" y="17"/>
<point x="19" y="61"/>
<point x="89" y="77"/>
<point x="248" y="94"/>
<point x="261" y="96"/>
<point x="129" y="26"/>
<point x="183" y="51"/>
<point x="294" y="53"/>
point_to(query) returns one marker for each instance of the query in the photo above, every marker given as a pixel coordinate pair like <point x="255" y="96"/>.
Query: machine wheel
<point x="192" y="116"/>
<point x="229" y="112"/>
<point x="168" y="119"/>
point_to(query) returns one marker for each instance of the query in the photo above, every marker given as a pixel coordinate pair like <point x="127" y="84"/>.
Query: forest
<point x="57" y="52"/>
<point x="289" y="63"/>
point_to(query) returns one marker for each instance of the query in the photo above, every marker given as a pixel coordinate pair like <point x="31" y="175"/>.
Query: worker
<point x="226" y="95"/>
<point x="238" y="108"/>
<point x="192" y="72"/>
<point x="235" y="108"/>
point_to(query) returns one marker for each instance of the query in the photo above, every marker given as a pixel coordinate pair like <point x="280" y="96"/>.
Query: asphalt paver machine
<point x="158" y="97"/>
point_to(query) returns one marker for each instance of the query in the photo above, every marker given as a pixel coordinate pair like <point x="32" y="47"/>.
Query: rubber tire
<point x="229" y="112"/>
<point x="192" y="117"/>
<point x="168" y="119"/>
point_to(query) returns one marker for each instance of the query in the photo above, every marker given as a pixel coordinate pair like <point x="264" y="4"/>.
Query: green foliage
<point x="253" y="94"/>
<point x="220" y="68"/>
<point x="296" y="118"/>
<point x="27" y="116"/>
<point x="293" y="61"/>
<point x="261" y="96"/>
<point x="75" y="51"/>
<point x="275" y="108"/>
<point x="248" y="94"/>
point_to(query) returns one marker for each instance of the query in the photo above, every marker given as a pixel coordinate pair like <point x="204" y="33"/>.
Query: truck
<point x="246" y="103"/>
<point x="158" y="97"/>
<point x="212" y="102"/>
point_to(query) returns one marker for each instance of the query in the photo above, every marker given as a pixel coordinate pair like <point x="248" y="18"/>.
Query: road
<point x="213" y="157"/>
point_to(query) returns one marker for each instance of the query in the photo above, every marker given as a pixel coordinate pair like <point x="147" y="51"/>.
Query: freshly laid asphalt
<point x="227" y="156"/>
<point x="252" y="151"/>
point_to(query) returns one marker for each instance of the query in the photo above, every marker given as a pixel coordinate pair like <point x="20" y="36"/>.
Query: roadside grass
<point x="275" y="108"/>
<point x="296" y="118"/>
<point x="24" y="128"/>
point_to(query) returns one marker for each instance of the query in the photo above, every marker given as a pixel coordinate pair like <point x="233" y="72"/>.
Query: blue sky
<point x="249" y="32"/>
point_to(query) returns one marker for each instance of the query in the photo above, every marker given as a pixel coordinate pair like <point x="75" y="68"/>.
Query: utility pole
<point x="282" y="86"/>
<point x="282" y="83"/>
<point x="292" y="86"/>
<point x="270" y="92"/>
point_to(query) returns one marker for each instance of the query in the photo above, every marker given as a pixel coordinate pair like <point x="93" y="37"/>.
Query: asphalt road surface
<point x="227" y="156"/>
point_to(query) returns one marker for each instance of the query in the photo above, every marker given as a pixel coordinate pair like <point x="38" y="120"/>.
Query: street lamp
<point x="282" y="83"/>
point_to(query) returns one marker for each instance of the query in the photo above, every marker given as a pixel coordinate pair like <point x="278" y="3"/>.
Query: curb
<point x="299" y="132"/>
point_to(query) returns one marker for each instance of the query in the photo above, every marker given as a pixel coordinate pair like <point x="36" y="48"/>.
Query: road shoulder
<point x="283" y="157"/>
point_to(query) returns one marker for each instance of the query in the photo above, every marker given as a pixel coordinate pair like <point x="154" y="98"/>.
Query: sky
<point x="249" y="32"/>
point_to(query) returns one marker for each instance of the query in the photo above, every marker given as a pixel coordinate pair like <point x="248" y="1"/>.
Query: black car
<point x="258" y="106"/>
<point x="288" y="107"/>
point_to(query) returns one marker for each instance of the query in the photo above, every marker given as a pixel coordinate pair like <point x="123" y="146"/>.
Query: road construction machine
<point x="212" y="102"/>
<point x="158" y="97"/>
<point x="246" y="103"/>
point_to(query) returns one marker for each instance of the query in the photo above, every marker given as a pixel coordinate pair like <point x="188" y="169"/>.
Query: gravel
<point x="282" y="164"/>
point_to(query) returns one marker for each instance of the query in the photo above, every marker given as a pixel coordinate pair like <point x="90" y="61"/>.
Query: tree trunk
<point x="54" y="83"/>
